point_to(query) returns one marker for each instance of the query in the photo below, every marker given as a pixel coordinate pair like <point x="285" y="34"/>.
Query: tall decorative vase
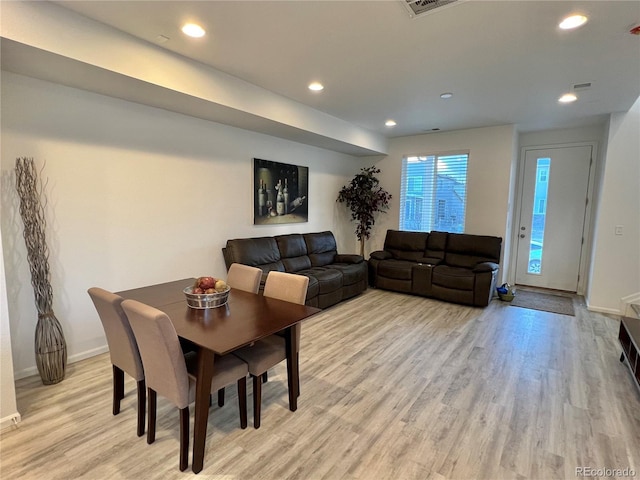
<point x="50" y="345"/>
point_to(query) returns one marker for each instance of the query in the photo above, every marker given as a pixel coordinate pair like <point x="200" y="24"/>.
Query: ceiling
<point x="504" y="62"/>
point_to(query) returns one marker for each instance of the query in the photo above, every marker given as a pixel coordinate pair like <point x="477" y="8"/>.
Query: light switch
<point x="618" y="229"/>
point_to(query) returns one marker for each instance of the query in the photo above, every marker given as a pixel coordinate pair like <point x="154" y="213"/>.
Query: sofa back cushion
<point x="406" y="245"/>
<point x="468" y="250"/>
<point x="436" y="245"/>
<point x="259" y="252"/>
<point x="321" y="248"/>
<point x="293" y="252"/>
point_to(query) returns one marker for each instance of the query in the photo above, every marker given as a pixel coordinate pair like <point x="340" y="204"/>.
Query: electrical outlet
<point x="618" y="229"/>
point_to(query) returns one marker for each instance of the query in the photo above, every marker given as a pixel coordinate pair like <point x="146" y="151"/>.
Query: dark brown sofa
<point x="455" y="267"/>
<point x="333" y="277"/>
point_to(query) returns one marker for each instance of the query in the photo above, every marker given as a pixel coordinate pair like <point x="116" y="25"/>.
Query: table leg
<point x="292" y="367"/>
<point x="203" y="391"/>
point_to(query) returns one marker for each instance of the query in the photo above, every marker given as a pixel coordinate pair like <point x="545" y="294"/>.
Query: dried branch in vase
<point x="50" y="345"/>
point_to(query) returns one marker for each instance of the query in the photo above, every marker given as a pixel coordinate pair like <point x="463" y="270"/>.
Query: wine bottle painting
<point x="280" y="193"/>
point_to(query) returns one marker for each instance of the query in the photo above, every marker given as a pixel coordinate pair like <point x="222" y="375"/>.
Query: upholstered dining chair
<point x="244" y="277"/>
<point x="268" y="352"/>
<point x="123" y="349"/>
<point x="167" y="373"/>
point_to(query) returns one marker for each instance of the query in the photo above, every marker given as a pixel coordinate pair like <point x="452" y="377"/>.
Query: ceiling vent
<point x="418" y="8"/>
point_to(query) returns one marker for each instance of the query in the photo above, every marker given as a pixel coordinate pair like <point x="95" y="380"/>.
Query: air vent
<point x="422" y="7"/>
<point x="582" y="86"/>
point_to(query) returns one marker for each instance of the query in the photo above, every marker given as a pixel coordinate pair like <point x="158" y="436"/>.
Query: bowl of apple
<point x="207" y="292"/>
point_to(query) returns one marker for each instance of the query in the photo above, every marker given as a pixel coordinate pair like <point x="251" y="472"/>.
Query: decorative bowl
<point x="206" y="300"/>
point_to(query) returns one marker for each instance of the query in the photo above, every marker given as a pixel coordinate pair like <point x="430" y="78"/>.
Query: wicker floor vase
<point x="51" y="349"/>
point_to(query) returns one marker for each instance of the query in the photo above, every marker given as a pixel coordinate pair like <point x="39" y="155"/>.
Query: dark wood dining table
<point x="245" y="318"/>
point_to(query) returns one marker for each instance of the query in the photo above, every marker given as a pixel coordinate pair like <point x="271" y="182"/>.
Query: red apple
<point x="206" y="282"/>
<point x="197" y="290"/>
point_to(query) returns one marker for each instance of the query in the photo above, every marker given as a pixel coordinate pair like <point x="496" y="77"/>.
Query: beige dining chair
<point x="169" y="373"/>
<point x="244" y="277"/>
<point x="123" y="349"/>
<point x="268" y="352"/>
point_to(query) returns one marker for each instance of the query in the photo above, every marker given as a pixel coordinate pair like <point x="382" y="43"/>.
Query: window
<point x="541" y="205"/>
<point x="433" y="193"/>
<point x="542" y="174"/>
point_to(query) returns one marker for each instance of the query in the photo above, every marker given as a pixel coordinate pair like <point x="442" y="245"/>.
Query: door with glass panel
<point x="552" y="217"/>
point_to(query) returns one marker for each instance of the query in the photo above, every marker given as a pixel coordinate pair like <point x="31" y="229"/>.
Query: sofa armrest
<point x="430" y="261"/>
<point x="381" y="255"/>
<point x="485" y="267"/>
<point x="346" y="258"/>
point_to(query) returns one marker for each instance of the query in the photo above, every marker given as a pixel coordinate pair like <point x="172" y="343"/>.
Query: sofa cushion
<point x="292" y="245"/>
<point x="406" y="245"/>
<point x="351" y="272"/>
<point x="260" y="252"/>
<point x="436" y="245"/>
<point x="321" y="248"/>
<point x="398" y="269"/>
<point x="328" y="279"/>
<point x="296" y="264"/>
<point x="453" y="277"/>
<point x="468" y="250"/>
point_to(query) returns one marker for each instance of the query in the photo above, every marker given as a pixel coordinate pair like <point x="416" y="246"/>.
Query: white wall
<point x="8" y="407"/>
<point x="137" y="195"/>
<point x="615" y="271"/>
<point x="490" y="169"/>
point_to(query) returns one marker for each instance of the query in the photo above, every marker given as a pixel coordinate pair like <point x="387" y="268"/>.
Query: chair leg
<point x="118" y="388"/>
<point x="265" y="377"/>
<point x="184" y="438"/>
<point x="242" y="401"/>
<point x="221" y="397"/>
<point x="142" y="394"/>
<point x="257" y="399"/>
<point x="151" y="428"/>
<point x="298" y="362"/>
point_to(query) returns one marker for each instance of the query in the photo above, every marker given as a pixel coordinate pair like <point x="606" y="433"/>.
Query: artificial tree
<point x="365" y="197"/>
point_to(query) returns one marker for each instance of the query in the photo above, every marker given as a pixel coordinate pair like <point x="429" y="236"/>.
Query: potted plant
<point x="365" y="197"/>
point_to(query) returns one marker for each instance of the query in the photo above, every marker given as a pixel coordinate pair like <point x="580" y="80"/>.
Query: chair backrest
<point x="244" y="277"/>
<point x="163" y="360"/>
<point x="286" y="286"/>
<point x="123" y="347"/>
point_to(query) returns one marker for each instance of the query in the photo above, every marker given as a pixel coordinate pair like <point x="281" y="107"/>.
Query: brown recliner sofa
<point x="333" y="277"/>
<point x="455" y="267"/>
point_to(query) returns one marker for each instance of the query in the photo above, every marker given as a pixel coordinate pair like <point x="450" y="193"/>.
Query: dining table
<point x="244" y="319"/>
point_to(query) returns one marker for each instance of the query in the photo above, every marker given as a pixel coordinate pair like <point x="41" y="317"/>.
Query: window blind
<point x="433" y="193"/>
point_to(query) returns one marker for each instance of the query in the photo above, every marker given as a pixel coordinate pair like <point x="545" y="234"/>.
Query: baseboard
<point x="9" y="421"/>
<point x="611" y="311"/>
<point x="28" y="372"/>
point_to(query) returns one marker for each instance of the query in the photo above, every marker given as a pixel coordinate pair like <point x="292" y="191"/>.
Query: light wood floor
<point x="393" y="387"/>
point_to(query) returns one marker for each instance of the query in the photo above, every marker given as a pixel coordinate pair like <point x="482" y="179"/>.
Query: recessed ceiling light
<point x="446" y="95"/>
<point x="568" y="98"/>
<point x="390" y="123"/>
<point x="193" y="30"/>
<point x="316" y="86"/>
<point x="573" y="21"/>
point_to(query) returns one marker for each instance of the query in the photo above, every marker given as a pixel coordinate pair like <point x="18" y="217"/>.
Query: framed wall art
<point x="280" y="193"/>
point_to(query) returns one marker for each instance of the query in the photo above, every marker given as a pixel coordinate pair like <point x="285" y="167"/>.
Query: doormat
<point x="544" y="301"/>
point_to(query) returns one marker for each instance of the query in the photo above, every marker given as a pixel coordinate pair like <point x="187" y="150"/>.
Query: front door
<point x="552" y="217"/>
